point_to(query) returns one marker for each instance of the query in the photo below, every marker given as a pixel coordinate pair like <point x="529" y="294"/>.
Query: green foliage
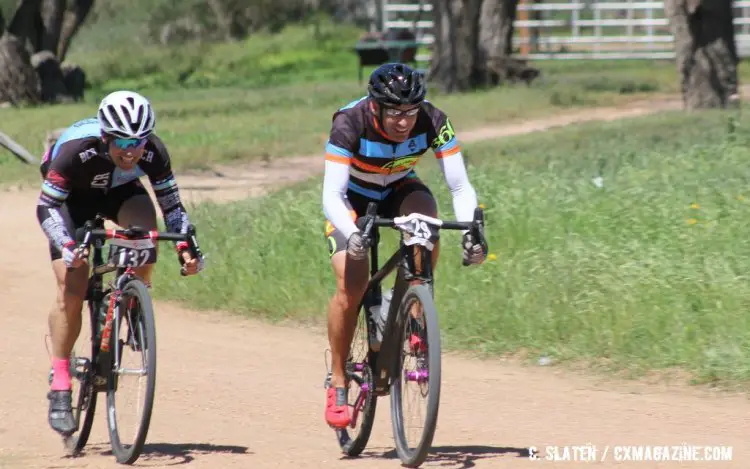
<point x="645" y="268"/>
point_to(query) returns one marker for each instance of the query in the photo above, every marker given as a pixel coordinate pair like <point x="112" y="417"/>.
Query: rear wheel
<point x="362" y="398"/>
<point x="418" y="380"/>
<point x="135" y="333"/>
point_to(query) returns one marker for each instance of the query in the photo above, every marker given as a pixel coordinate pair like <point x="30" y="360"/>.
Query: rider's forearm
<point x="168" y="197"/>
<point x="335" y="184"/>
<point x="464" y="196"/>
<point x="53" y="226"/>
<point x="53" y="195"/>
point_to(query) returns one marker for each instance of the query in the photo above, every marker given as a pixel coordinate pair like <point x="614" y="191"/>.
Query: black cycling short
<point x="387" y="208"/>
<point x="80" y="207"/>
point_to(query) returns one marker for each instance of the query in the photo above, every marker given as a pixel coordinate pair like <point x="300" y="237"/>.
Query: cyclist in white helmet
<point x="94" y="167"/>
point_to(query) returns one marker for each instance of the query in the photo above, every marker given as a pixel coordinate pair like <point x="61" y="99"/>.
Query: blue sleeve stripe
<point x="336" y="150"/>
<point x="448" y="145"/>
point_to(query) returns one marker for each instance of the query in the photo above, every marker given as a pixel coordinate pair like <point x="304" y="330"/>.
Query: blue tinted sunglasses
<point x="125" y="143"/>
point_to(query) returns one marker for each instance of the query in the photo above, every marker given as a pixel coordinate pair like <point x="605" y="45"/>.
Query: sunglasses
<point x="125" y="143"/>
<point x="393" y="112"/>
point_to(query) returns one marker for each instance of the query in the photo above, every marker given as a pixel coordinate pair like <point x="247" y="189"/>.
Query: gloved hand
<point x="357" y="246"/>
<point x="73" y="257"/>
<point x="190" y="265"/>
<point x="475" y="251"/>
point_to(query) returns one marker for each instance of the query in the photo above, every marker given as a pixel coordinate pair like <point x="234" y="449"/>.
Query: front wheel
<point x="133" y="334"/>
<point x="418" y="377"/>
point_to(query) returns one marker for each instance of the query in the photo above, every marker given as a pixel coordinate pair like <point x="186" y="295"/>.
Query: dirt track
<point x="233" y="392"/>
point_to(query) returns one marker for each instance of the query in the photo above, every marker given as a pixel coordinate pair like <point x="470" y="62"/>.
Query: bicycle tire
<point x="128" y="454"/>
<point x="76" y="442"/>
<point x="416" y="456"/>
<point x="354" y="446"/>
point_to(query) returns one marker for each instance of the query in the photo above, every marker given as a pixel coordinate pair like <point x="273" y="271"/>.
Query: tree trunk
<point x="52" y="16"/>
<point x="454" y="51"/>
<point x="705" y="50"/>
<point x="25" y="22"/>
<point x="474" y="43"/>
<point x="51" y="80"/>
<point x="18" y="81"/>
<point x="72" y="20"/>
<point x="495" y="40"/>
<point x="33" y="47"/>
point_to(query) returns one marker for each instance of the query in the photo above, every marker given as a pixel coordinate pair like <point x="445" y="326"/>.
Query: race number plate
<point x="132" y="253"/>
<point x="419" y="229"/>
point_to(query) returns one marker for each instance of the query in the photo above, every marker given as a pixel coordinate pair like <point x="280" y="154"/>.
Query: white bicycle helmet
<point x="126" y="114"/>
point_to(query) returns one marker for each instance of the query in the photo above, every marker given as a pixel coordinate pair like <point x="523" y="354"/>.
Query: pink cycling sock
<point x="61" y="377"/>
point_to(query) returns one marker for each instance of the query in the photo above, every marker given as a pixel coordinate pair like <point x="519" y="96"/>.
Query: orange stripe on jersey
<point x="338" y="159"/>
<point x="443" y="154"/>
<point x="369" y="167"/>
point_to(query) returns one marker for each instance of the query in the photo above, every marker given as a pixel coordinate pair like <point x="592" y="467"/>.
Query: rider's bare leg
<point x="351" y="281"/>
<point x="65" y="317"/>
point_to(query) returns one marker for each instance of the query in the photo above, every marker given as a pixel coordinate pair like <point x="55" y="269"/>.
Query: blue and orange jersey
<point x="356" y="139"/>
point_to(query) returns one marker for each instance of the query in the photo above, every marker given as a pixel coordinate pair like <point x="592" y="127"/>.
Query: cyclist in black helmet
<point x="374" y="144"/>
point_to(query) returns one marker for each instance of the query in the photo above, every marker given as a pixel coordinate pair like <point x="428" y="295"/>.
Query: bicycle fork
<point x="106" y="368"/>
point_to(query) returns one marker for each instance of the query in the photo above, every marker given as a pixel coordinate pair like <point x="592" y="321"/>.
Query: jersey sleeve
<point x="447" y="151"/>
<point x="342" y="144"/>
<point x="158" y="167"/>
<point x="56" y="187"/>
<point x="343" y="140"/>
<point x="442" y="136"/>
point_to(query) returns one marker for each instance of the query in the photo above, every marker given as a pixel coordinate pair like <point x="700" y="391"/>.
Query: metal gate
<point x="574" y="29"/>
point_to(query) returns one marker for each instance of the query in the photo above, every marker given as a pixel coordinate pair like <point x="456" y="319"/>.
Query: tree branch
<point x="73" y="17"/>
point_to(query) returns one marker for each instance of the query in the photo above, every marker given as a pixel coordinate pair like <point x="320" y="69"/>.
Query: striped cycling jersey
<point x="375" y="162"/>
<point x="79" y="163"/>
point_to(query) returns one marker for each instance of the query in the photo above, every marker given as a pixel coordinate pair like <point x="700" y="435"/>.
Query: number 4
<point x="421" y="230"/>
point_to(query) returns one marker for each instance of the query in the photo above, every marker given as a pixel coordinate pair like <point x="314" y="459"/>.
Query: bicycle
<point x="378" y="369"/>
<point x="125" y="297"/>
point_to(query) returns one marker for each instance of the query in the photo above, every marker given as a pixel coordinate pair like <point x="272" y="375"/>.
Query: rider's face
<point x="125" y="152"/>
<point x="399" y="120"/>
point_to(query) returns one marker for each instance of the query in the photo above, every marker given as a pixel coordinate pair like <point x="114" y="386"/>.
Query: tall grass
<point x="645" y="268"/>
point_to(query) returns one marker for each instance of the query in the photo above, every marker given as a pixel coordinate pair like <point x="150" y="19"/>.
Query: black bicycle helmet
<point x="396" y="83"/>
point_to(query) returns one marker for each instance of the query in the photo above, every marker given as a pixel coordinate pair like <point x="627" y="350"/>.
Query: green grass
<point x="297" y="55"/>
<point x="231" y="124"/>
<point x="632" y="274"/>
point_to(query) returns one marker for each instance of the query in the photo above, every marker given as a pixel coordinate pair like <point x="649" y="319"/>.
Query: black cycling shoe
<point x="61" y="412"/>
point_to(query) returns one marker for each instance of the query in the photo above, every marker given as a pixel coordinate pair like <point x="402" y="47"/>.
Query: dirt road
<point x="235" y="392"/>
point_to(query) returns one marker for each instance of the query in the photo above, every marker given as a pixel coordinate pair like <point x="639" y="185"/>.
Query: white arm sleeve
<point x="335" y="184"/>
<point x="464" y="196"/>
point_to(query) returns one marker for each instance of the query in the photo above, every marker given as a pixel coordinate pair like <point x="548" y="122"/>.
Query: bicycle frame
<point x="101" y="361"/>
<point x="385" y="362"/>
<point x="95" y="294"/>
